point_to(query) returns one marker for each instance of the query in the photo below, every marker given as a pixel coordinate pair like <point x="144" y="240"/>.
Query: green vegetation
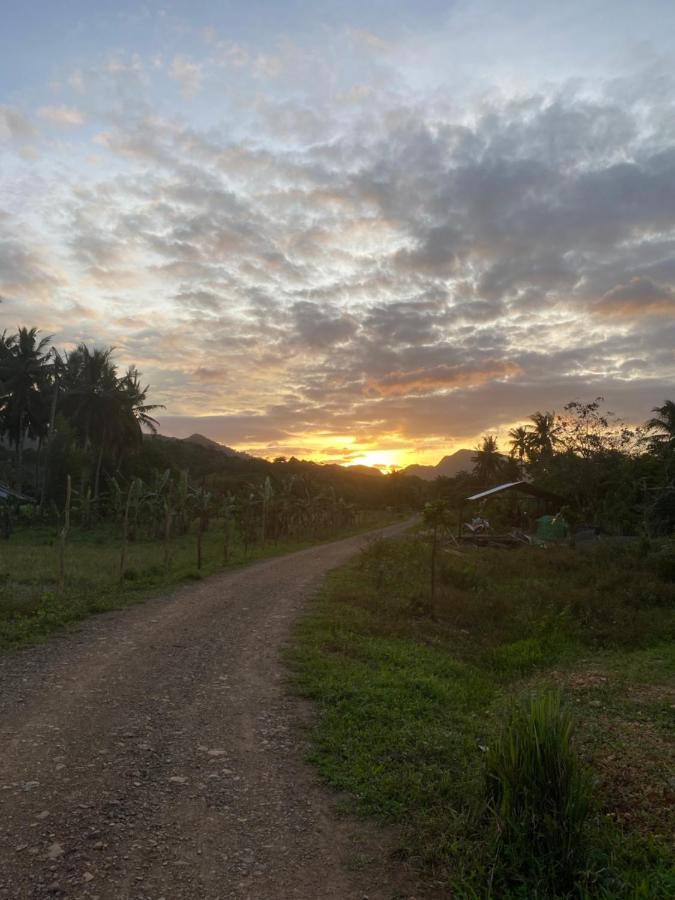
<point x="97" y="510"/>
<point x="611" y="477"/>
<point x="518" y="734"/>
<point x="32" y="606"/>
<point x="539" y="796"/>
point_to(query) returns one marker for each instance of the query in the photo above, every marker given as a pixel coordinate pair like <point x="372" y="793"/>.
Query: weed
<point x="538" y="796"/>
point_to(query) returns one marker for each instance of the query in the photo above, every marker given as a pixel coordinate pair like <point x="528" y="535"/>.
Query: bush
<point x="539" y="798"/>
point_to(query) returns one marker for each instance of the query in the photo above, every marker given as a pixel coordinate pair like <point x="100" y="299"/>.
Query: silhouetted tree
<point x="487" y="460"/>
<point x="24" y="378"/>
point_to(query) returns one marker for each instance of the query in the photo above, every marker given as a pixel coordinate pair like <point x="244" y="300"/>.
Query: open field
<point x="411" y="699"/>
<point x="31" y="607"/>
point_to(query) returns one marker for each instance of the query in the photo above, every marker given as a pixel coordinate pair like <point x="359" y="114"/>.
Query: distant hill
<point x="214" y="445"/>
<point x="364" y="470"/>
<point x="451" y="465"/>
<point x="230" y="470"/>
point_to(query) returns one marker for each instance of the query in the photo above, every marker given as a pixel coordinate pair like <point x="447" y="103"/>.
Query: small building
<point x="542" y="501"/>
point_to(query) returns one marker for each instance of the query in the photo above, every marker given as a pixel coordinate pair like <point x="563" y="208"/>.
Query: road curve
<point x="153" y="752"/>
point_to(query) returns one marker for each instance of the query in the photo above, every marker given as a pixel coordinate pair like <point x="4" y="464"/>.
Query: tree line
<point x="72" y="427"/>
<point x="79" y="395"/>
<point x="611" y="474"/>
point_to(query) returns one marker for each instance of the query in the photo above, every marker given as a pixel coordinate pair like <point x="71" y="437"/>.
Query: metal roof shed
<point x="523" y="487"/>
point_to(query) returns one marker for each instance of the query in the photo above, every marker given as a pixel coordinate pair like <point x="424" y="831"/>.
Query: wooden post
<point x="63" y="534"/>
<point x="433" y="570"/>
<point x="125" y="532"/>
<point x="168" y="516"/>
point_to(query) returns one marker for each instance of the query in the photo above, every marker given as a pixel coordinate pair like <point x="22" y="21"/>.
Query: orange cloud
<point x="638" y="297"/>
<point x="442" y="377"/>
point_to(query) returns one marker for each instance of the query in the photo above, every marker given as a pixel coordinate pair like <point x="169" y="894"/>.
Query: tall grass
<point x="538" y="797"/>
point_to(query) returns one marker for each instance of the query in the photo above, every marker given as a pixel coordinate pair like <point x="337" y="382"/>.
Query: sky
<point x="352" y="232"/>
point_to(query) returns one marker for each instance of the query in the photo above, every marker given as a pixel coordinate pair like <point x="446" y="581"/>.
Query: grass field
<point x="410" y="700"/>
<point x="31" y="606"/>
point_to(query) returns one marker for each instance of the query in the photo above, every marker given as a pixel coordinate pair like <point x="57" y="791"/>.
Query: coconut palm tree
<point x="487" y="460"/>
<point x="108" y="411"/>
<point x="24" y="377"/>
<point x="521" y="443"/>
<point x="545" y="435"/>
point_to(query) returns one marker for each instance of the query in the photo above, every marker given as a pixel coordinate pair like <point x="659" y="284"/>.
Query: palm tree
<point x="487" y="460"/>
<point x="107" y="411"/>
<point x="133" y="414"/>
<point x="521" y="443"/>
<point x="663" y="425"/>
<point x="24" y="377"/>
<point x="91" y="400"/>
<point x="545" y="434"/>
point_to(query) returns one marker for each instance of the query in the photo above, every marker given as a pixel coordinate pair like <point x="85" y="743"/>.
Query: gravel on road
<point x="154" y="753"/>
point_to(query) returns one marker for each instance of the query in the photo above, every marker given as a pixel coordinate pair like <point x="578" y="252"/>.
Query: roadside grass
<point x="412" y="701"/>
<point x="31" y="607"/>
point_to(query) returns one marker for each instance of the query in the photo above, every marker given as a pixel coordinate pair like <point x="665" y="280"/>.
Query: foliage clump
<point x="538" y="799"/>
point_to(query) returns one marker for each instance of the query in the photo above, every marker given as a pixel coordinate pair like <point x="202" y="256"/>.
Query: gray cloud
<point x="400" y="272"/>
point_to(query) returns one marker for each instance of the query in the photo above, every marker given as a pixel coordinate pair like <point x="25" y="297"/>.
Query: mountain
<point x="214" y="445"/>
<point x="451" y="465"/>
<point x="364" y="470"/>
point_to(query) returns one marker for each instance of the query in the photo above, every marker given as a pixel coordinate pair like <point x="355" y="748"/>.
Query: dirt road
<point x="153" y="753"/>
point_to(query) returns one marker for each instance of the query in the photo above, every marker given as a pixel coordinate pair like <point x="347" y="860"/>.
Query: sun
<point x="385" y="460"/>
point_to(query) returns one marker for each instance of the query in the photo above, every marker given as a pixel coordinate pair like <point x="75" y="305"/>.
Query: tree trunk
<point x="19" y="455"/>
<point x="45" y="470"/>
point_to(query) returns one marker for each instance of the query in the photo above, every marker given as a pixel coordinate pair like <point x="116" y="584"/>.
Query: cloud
<point x="24" y="271"/>
<point x="188" y="74"/>
<point x="408" y="270"/>
<point x="441" y="377"/>
<point x="639" y="297"/>
<point x="368" y="39"/>
<point x="63" y="116"/>
<point x="15" y="126"/>
<point x="321" y="328"/>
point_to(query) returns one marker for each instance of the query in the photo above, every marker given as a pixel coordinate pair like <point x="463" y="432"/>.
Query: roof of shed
<point x="523" y="487"/>
<point x="8" y="493"/>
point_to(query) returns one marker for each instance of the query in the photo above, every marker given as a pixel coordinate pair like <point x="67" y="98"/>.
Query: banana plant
<point x="115" y="499"/>
<point x="182" y="502"/>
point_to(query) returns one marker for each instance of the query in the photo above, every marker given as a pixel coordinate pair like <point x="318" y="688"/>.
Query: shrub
<point x="539" y="798"/>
